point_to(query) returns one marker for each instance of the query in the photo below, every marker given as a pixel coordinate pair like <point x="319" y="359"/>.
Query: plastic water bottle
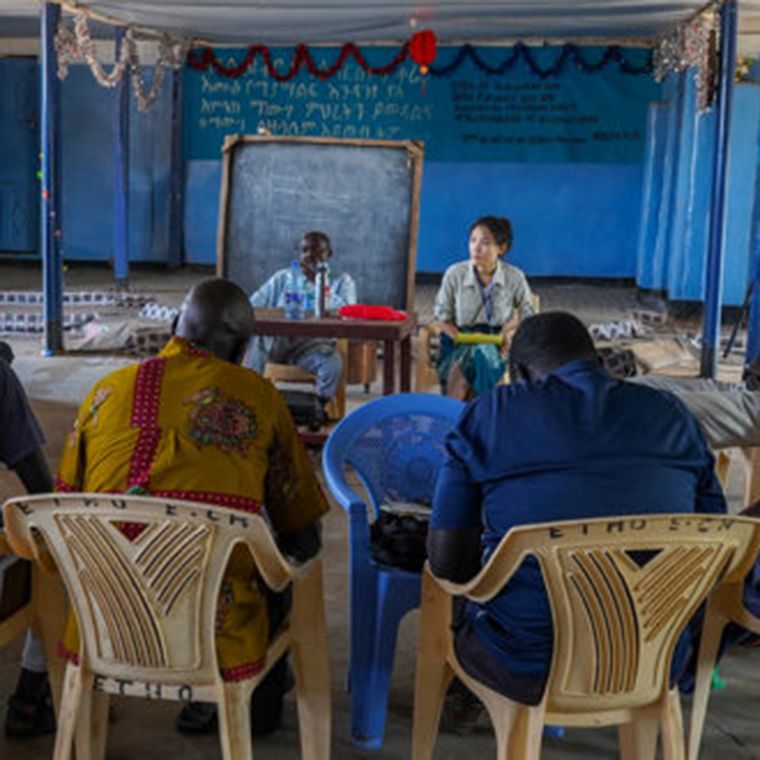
<point x="321" y="291"/>
<point x="294" y="294"/>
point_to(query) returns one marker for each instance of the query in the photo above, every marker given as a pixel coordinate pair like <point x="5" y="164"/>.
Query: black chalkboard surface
<point x="364" y="194"/>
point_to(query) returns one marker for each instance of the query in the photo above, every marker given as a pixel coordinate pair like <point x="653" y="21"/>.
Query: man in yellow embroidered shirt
<point x="192" y="424"/>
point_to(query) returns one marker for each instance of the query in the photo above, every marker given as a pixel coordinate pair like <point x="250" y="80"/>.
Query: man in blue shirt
<point x="565" y="441"/>
<point x="315" y="355"/>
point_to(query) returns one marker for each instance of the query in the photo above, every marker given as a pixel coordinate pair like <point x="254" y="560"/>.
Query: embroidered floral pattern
<point x="280" y="478"/>
<point x="222" y="421"/>
<point x="72" y="439"/>
<point x="101" y="394"/>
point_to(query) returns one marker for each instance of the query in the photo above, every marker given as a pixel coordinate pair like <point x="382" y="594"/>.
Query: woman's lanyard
<point x="486" y="296"/>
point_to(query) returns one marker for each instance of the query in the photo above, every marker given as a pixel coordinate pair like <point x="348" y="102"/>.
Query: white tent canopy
<point x="337" y="21"/>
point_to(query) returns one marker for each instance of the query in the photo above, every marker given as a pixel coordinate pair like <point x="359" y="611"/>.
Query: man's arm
<point x="266" y="296"/>
<point x="293" y="498"/>
<point x="344" y="292"/>
<point x="710" y="498"/>
<point x="453" y="542"/>
<point x="34" y="473"/>
<point x="20" y="435"/>
<point x="454" y="554"/>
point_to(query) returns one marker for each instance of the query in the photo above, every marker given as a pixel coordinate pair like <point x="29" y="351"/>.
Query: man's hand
<point x="753" y="510"/>
<point x="450" y="329"/>
<point x="301" y="545"/>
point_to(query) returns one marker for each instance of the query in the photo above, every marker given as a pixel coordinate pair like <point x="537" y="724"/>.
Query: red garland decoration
<point x="422" y="48"/>
<point x="207" y="59"/>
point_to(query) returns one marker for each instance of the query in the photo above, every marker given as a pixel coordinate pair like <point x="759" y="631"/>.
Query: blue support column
<point x="121" y="171"/>
<point x="714" y="273"/>
<point x="50" y="202"/>
<point x="177" y="175"/>
<point x="753" y="326"/>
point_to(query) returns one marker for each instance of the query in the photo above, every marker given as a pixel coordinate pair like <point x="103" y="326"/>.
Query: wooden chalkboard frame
<point x="415" y="151"/>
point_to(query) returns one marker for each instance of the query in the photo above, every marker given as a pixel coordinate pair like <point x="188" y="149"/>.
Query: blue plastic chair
<point x="394" y="445"/>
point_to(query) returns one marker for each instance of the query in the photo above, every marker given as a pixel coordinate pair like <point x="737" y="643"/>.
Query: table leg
<point x="389" y="367"/>
<point x="406" y="364"/>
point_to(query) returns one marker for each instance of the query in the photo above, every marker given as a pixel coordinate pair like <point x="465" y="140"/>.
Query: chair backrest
<point x="394" y="445"/>
<point x="621" y="592"/>
<point x="145" y="604"/>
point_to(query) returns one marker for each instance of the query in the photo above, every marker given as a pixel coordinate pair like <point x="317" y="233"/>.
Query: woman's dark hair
<point x="499" y="226"/>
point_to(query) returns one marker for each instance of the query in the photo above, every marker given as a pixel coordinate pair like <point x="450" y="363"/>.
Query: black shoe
<point x="462" y="711"/>
<point x="30" y="710"/>
<point x="266" y="706"/>
<point x="198" y="718"/>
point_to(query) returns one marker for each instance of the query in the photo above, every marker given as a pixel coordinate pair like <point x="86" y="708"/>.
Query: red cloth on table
<point x="366" y="311"/>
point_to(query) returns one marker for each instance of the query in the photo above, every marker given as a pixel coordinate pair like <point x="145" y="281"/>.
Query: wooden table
<point x="273" y="322"/>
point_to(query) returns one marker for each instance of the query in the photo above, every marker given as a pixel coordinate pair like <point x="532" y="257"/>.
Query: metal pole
<point x="121" y="171"/>
<point x="753" y="325"/>
<point x="714" y="274"/>
<point x="50" y="202"/>
<point x="176" y="174"/>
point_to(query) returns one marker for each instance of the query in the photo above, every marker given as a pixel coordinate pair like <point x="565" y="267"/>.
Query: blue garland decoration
<point x="568" y="52"/>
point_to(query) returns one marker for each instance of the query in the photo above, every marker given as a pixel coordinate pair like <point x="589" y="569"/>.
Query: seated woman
<point x="479" y="296"/>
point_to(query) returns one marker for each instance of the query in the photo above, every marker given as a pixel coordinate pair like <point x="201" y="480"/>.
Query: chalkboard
<point x="362" y="193"/>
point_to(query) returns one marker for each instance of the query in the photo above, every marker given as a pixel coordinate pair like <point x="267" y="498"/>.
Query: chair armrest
<point x="276" y="571"/>
<point x="343" y="492"/>
<point x="494" y="575"/>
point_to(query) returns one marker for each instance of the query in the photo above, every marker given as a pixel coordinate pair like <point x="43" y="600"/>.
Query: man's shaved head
<point x="216" y="315"/>
<point x="546" y="341"/>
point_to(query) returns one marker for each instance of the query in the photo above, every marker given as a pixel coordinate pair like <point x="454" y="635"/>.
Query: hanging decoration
<point x="73" y="45"/>
<point x="422" y="49"/>
<point x="206" y="59"/>
<point x="692" y="44"/>
<point x="568" y="53"/>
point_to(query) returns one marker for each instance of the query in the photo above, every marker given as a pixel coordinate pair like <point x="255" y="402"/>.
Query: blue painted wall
<point x="562" y="156"/>
<point x="676" y="192"/>
<point x="611" y="218"/>
<point x="87" y="165"/>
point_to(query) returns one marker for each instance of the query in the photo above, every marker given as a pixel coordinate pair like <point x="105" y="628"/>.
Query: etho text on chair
<point x="393" y="448"/>
<point x="146" y="606"/>
<point x="621" y="592"/>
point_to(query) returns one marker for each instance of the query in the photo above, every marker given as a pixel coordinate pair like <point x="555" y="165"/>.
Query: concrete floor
<point x="56" y="387"/>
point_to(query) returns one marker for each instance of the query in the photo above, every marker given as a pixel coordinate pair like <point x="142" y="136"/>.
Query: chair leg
<point x="672" y="727"/>
<point x="638" y="739"/>
<point x="92" y="726"/>
<point x="235" y="721"/>
<point x="74" y="683"/>
<point x="311" y="666"/>
<point x="434" y="674"/>
<point x="50" y="618"/>
<point x="369" y="700"/>
<point x="712" y="631"/>
<point x="526" y="734"/>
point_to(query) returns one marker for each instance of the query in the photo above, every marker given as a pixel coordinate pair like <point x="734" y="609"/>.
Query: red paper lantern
<point x="422" y="48"/>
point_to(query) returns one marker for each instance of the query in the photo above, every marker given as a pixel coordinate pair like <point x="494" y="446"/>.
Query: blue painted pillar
<point x="714" y="274"/>
<point x="51" y="201"/>
<point x="121" y="171"/>
<point x="176" y="175"/>
<point x="753" y="327"/>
